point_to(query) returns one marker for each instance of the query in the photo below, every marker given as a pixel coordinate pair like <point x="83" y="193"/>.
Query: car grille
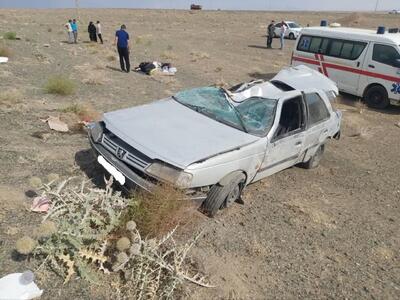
<point x="131" y="156"/>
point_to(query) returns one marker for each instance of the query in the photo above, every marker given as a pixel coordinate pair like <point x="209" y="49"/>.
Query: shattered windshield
<point x="254" y="115"/>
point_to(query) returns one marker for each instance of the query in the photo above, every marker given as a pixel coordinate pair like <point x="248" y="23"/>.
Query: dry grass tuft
<point x="159" y="212"/>
<point x="10" y="96"/>
<point x="95" y="77"/>
<point x="199" y="56"/>
<point x="11" y="35"/>
<point x="168" y="55"/>
<point x="143" y="39"/>
<point x="85" y="112"/>
<point x="111" y="58"/>
<point x="221" y="83"/>
<point x="5" y="51"/>
<point x="360" y="106"/>
<point x="60" y="85"/>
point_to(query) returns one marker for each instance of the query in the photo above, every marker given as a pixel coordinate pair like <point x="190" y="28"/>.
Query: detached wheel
<point x="377" y="97"/>
<point x="314" y="161"/>
<point x="291" y="36"/>
<point x="223" y="196"/>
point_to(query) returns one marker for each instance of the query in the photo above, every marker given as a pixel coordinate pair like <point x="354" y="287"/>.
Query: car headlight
<point x="170" y="174"/>
<point x="96" y="131"/>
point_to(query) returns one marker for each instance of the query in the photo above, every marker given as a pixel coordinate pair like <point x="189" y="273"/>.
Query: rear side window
<point x="317" y="110"/>
<point x="385" y="54"/>
<point x="332" y="47"/>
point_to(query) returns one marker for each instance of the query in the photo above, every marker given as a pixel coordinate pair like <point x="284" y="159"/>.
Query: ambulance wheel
<point x="377" y="97"/>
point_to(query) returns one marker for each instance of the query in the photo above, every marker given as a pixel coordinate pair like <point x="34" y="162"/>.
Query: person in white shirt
<point x="70" y="32"/>
<point x="98" y="31"/>
<point x="284" y="27"/>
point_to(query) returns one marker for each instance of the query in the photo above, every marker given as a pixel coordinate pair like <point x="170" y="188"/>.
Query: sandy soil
<point x="328" y="233"/>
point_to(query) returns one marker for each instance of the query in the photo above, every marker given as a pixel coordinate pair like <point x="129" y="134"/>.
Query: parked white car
<point x="292" y="32"/>
<point x="213" y="142"/>
<point x="394" y="12"/>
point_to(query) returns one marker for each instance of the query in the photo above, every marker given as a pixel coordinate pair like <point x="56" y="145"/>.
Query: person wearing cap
<point x="270" y="33"/>
<point x="122" y="42"/>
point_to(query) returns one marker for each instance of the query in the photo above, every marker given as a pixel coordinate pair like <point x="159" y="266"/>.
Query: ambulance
<point x="364" y="63"/>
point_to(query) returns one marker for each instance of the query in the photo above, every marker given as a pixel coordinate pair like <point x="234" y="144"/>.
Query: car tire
<point x="314" y="161"/>
<point x="221" y="196"/>
<point x="291" y="36"/>
<point x="377" y="97"/>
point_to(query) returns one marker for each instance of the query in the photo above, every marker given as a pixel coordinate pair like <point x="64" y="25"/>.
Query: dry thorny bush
<point x="85" y="232"/>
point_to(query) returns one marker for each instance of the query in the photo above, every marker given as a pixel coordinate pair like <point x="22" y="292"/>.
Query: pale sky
<point x="349" y="5"/>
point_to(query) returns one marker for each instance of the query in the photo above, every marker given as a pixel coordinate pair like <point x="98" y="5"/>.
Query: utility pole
<point x="376" y="5"/>
<point x="77" y="8"/>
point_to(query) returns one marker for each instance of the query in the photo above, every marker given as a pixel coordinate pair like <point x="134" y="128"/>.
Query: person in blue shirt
<point x="122" y="42"/>
<point x="74" y="26"/>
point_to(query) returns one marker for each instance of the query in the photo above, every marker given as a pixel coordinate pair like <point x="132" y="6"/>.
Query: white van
<point x="361" y="62"/>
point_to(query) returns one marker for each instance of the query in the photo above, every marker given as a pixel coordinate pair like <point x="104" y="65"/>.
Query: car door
<point x="342" y="61"/>
<point x="286" y="138"/>
<point x="383" y="67"/>
<point x="317" y="115"/>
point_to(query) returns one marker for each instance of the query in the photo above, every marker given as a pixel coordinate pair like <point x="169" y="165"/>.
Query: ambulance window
<point x="336" y="47"/>
<point x="346" y="50"/>
<point x="324" y="46"/>
<point x="357" y="50"/>
<point x="317" y="110"/>
<point x="304" y="43"/>
<point x="315" y="43"/>
<point x="385" y="54"/>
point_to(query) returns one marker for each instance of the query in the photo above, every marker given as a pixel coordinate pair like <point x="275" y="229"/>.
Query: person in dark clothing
<point x="270" y="33"/>
<point x="92" y="32"/>
<point x="122" y="42"/>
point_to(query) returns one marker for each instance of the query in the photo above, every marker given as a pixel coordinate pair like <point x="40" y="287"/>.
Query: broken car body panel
<point x="198" y="137"/>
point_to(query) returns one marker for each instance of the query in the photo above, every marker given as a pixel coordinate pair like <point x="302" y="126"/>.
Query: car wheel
<point x="291" y="36"/>
<point x="223" y="196"/>
<point x="314" y="161"/>
<point x="377" y="97"/>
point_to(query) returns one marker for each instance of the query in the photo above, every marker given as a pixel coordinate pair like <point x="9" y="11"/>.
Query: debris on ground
<point x="397" y="124"/>
<point x="150" y="68"/>
<point x="19" y="286"/>
<point x="56" y="124"/>
<point x="40" y="204"/>
<point x="3" y="60"/>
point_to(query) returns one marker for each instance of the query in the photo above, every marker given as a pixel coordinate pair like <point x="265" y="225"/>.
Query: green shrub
<point x="60" y="85"/>
<point x="11" y="35"/>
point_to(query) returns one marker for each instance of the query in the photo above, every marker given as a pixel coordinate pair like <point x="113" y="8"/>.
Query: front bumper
<point x="139" y="179"/>
<point x="130" y="175"/>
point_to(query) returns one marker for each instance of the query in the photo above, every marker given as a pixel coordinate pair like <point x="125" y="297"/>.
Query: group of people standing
<point x="271" y="33"/>
<point x="95" y="32"/>
<point x="72" y="30"/>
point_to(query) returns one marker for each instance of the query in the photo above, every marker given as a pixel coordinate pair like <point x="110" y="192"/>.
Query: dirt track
<point x="329" y="233"/>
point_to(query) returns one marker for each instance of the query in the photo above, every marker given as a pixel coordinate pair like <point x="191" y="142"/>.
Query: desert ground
<point x="327" y="233"/>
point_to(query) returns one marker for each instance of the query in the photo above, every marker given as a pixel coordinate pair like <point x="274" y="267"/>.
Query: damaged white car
<point x="213" y="142"/>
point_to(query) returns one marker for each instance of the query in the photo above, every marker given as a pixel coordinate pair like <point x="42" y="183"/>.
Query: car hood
<point x="171" y="132"/>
